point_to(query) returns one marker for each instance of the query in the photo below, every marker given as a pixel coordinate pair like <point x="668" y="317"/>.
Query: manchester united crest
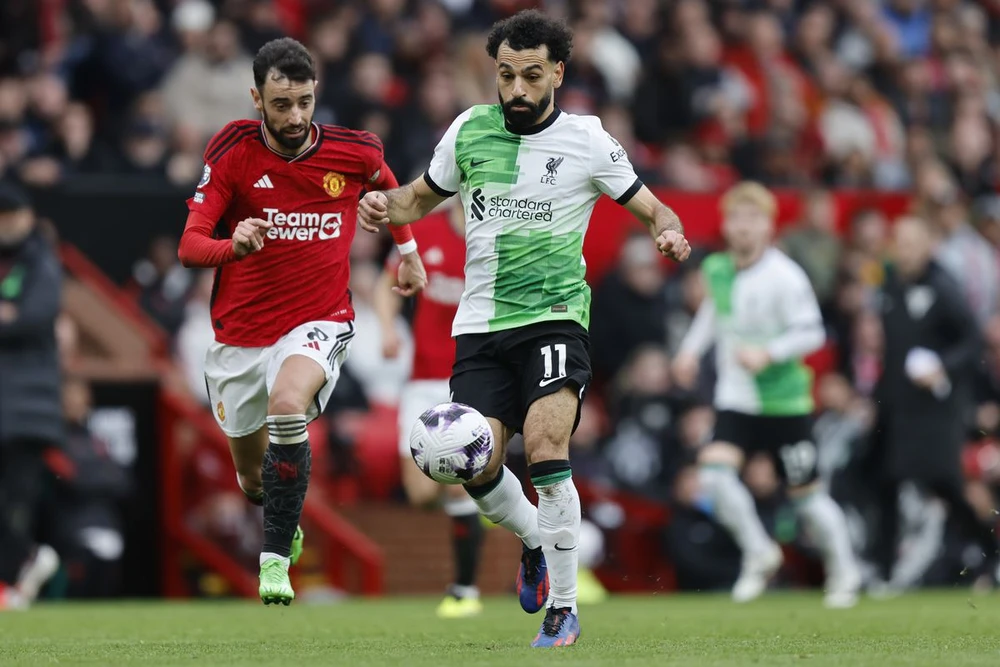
<point x="221" y="411"/>
<point x="333" y="183"/>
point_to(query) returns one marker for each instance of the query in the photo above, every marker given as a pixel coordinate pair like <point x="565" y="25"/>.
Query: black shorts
<point x="501" y="374"/>
<point x="787" y="440"/>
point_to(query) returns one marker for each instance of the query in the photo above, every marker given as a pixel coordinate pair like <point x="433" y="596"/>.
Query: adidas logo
<point x="264" y="182"/>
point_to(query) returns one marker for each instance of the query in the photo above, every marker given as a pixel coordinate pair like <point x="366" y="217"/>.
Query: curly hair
<point x="288" y="57"/>
<point x="530" y="29"/>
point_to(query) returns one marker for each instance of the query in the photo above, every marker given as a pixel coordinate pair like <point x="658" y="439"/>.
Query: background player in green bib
<point x="528" y="176"/>
<point x="761" y="313"/>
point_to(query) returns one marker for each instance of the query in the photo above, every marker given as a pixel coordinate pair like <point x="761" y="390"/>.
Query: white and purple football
<point x="451" y="443"/>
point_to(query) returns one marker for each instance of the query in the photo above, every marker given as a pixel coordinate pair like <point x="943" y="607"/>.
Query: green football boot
<point x="275" y="586"/>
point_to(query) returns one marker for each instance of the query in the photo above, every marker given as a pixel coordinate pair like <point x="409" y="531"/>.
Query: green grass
<point x="948" y="629"/>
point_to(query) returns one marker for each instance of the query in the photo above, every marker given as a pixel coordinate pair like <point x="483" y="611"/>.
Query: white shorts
<point x="239" y="379"/>
<point x="417" y="397"/>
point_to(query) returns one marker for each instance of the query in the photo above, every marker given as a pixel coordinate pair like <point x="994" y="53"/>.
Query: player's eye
<point x="281" y="107"/>
<point x="507" y="77"/>
<point x="533" y="78"/>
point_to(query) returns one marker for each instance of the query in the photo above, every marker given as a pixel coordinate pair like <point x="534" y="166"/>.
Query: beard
<point x="281" y="136"/>
<point x="524" y="118"/>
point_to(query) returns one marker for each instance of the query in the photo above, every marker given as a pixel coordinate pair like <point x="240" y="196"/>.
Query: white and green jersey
<point x="528" y="197"/>
<point x="771" y="305"/>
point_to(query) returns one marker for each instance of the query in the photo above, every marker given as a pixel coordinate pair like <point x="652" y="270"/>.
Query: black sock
<point x="466" y="538"/>
<point x="287" y="463"/>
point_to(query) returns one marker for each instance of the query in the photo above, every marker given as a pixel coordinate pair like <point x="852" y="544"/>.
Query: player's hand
<point x="931" y="379"/>
<point x="373" y="210"/>
<point x="391" y="343"/>
<point x="754" y="359"/>
<point x="411" y="276"/>
<point x="249" y="236"/>
<point x="673" y="245"/>
<point x="685" y="369"/>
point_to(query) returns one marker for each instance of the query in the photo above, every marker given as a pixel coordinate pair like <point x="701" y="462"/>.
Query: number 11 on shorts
<point x="560" y="354"/>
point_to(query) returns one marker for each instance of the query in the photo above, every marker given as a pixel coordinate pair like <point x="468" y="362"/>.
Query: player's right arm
<point x="199" y="246"/>
<point x="387" y="304"/>
<point x="696" y="342"/>
<point x="411" y="202"/>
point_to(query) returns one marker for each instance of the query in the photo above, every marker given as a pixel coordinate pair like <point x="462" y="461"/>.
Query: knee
<point x="286" y="402"/>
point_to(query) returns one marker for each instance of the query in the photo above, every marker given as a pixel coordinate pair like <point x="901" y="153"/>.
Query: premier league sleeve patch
<point x="206" y="175"/>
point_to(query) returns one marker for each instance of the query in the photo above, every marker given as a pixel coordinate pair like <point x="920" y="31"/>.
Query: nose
<point x="295" y="117"/>
<point x="518" y="90"/>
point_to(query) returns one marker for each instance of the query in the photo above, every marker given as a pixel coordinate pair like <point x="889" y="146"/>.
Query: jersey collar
<point x="301" y="156"/>
<point x="535" y="129"/>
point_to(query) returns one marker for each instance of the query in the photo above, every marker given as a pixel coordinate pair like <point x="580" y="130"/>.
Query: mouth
<point x="295" y="134"/>
<point x="520" y="107"/>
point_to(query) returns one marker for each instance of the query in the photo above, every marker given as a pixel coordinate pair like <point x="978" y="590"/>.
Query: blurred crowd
<point x="812" y="95"/>
<point x="846" y="93"/>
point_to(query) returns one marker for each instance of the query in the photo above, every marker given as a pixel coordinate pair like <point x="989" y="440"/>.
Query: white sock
<point x="828" y="526"/>
<point x="559" y="527"/>
<point x="267" y="555"/>
<point x="507" y="506"/>
<point x="734" y="507"/>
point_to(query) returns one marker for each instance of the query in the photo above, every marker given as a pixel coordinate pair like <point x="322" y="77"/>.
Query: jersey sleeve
<point x="374" y="160"/>
<point x="611" y="170"/>
<point x="443" y="175"/>
<point x="214" y="192"/>
<point x="803" y="323"/>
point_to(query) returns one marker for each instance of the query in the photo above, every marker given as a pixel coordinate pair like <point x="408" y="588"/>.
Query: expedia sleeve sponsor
<point x="507" y="208"/>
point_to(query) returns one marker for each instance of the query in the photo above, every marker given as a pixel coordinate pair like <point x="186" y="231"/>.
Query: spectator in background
<point x="209" y="86"/>
<point x="163" y="284"/>
<point x="630" y="307"/>
<point x="813" y="243"/>
<point x="966" y="255"/>
<point x="30" y="403"/>
<point x="84" y="520"/>
<point x="924" y="395"/>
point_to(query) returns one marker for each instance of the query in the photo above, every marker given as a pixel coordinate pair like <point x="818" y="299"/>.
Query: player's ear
<point x="558" y="72"/>
<point x="257" y="101"/>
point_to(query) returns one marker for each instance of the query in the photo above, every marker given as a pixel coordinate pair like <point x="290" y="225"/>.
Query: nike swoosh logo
<point x="473" y="163"/>
<point x="546" y="383"/>
<point x="559" y="548"/>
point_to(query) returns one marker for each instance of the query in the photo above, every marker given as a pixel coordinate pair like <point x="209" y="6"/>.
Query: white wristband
<point x="407" y="248"/>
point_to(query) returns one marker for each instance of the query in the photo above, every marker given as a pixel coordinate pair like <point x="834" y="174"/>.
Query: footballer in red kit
<point x="275" y="213"/>
<point x="441" y="237"/>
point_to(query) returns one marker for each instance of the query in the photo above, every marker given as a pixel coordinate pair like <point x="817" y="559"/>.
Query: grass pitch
<point x="947" y="629"/>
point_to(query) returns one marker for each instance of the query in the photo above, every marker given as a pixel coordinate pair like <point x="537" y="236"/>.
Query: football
<point x="451" y="443"/>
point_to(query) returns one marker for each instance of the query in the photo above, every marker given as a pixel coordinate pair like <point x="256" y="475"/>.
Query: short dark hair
<point x="288" y="57"/>
<point x="530" y="29"/>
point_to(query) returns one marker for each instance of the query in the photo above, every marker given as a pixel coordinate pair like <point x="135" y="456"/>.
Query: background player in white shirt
<point x="528" y="176"/>
<point x="761" y="313"/>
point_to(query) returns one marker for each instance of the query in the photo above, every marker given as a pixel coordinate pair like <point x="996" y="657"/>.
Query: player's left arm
<point x="663" y="224"/>
<point x="613" y="175"/>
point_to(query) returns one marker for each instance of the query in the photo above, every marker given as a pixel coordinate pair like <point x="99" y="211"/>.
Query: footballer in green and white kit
<point x="760" y="313"/>
<point x="528" y="176"/>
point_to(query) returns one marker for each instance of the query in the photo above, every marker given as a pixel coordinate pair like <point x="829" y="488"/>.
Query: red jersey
<point x="442" y="250"/>
<point x="302" y="272"/>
